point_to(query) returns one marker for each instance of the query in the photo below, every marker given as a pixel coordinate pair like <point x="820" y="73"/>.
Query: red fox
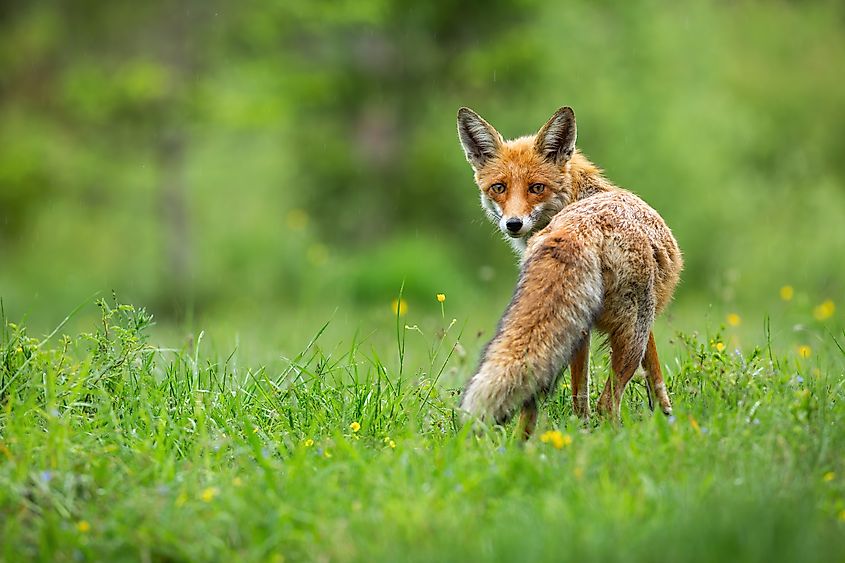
<point x="593" y="256"/>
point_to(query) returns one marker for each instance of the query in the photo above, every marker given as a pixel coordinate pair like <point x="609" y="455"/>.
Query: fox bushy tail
<point x="556" y="301"/>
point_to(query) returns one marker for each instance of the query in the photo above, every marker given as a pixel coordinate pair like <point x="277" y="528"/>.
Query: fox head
<point x="523" y="182"/>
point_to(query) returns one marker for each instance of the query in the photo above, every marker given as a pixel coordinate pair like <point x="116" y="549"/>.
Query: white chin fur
<point x="518" y="244"/>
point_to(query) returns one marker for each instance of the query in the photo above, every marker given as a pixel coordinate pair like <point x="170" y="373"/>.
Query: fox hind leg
<point x="580" y="373"/>
<point x="625" y="356"/>
<point x="654" y="377"/>
<point x="527" y="418"/>
<point x="628" y="342"/>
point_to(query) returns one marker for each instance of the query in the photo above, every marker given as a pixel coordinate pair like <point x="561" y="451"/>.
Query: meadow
<point x="224" y="228"/>
<point x="114" y="448"/>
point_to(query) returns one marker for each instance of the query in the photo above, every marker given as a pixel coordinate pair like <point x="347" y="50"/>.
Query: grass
<point x="112" y="448"/>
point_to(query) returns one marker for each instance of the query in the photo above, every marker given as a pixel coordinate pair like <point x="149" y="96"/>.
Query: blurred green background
<point x="258" y="168"/>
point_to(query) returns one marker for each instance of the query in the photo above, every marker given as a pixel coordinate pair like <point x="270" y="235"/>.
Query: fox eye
<point x="497" y="188"/>
<point x="536" y="188"/>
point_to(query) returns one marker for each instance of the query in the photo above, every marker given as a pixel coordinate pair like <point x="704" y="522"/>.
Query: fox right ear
<point x="480" y="140"/>
<point x="556" y="139"/>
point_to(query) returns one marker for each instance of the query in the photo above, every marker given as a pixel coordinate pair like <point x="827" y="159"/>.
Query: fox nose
<point x="513" y="224"/>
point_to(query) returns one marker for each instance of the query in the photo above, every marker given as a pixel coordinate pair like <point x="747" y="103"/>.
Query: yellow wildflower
<point x="787" y="292"/>
<point x="392" y="444"/>
<point x="399" y="307"/>
<point x="556" y="438"/>
<point x="83" y="526"/>
<point x="734" y="319"/>
<point x="805" y="351"/>
<point x="441" y="297"/>
<point x="824" y="311"/>
<point x="828" y="477"/>
<point x="327" y="454"/>
<point x="720" y="346"/>
<point x="309" y="442"/>
<point x="355" y="427"/>
<point x="208" y="494"/>
<point x="694" y="423"/>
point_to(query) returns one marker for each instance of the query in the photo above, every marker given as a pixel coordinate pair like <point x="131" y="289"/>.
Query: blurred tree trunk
<point x="179" y="52"/>
<point x="173" y="201"/>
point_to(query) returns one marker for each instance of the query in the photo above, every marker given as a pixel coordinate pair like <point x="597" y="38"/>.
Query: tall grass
<point x="112" y="448"/>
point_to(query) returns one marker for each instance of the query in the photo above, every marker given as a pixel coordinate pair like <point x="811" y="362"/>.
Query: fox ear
<point x="480" y="140"/>
<point x="556" y="139"/>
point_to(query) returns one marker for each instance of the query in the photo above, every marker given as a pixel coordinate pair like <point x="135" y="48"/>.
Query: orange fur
<point x="594" y="257"/>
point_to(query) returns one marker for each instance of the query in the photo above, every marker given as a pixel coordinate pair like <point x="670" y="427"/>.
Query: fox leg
<point x="627" y="347"/>
<point x="527" y="418"/>
<point x="579" y="370"/>
<point x="654" y="377"/>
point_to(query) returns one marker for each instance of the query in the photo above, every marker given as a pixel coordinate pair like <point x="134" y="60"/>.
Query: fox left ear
<point x="556" y="139"/>
<point x="480" y="140"/>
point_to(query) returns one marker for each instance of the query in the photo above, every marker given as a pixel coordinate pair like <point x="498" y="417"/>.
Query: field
<point x="116" y="449"/>
<point x="208" y="215"/>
